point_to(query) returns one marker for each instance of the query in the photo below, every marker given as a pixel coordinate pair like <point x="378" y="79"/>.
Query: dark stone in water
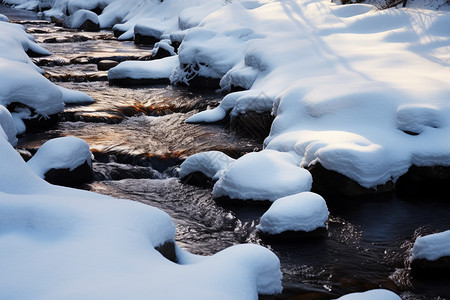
<point x="77" y="177"/>
<point x="138" y="82"/>
<point x="424" y="180"/>
<point x="198" y="179"/>
<point x="31" y="53"/>
<point x="292" y="236"/>
<point x="168" y="251"/>
<point x="439" y="268"/>
<point x="88" y="25"/>
<point x="145" y="39"/>
<point x="25" y="154"/>
<point x="204" y="83"/>
<point x="331" y="182"/>
<point x="229" y="202"/>
<point x="161" y="53"/>
<point x="105" y="65"/>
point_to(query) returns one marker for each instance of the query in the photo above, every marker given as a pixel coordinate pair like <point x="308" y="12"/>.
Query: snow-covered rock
<point x="431" y="254"/>
<point x="303" y="212"/>
<point x="75" y="97"/>
<point x="64" y="161"/>
<point x="211" y="164"/>
<point x="266" y="175"/>
<point x="4" y="18"/>
<point x="376" y="294"/>
<point x="143" y="72"/>
<point x="84" y="20"/>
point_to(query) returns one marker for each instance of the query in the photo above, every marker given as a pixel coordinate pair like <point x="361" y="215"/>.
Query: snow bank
<point x="153" y="69"/>
<point x="81" y="16"/>
<point x="75" y="97"/>
<point x="87" y="246"/>
<point x="3" y="18"/>
<point x="371" y="295"/>
<point x="265" y="175"/>
<point x="300" y="212"/>
<point x="432" y="247"/>
<point x="60" y="153"/>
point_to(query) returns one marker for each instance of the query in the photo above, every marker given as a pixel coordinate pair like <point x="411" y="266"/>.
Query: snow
<point x="265" y="175"/>
<point x="67" y="152"/>
<point x="75" y="97"/>
<point x="3" y="18"/>
<point x="376" y="294"/>
<point x="89" y="246"/>
<point x="79" y="17"/>
<point x="8" y="130"/>
<point x="432" y="247"/>
<point x="210" y="163"/>
<point x="305" y="211"/>
<point x="153" y="69"/>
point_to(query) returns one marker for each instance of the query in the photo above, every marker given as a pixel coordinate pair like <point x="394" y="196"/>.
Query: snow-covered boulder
<point x="84" y="20"/>
<point x="143" y="72"/>
<point x="75" y="97"/>
<point x="148" y="31"/>
<point x="197" y="169"/>
<point x="377" y="294"/>
<point x="300" y="215"/>
<point x="266" y="175"/>
<point x="63" y="161"/>
<point x="431" y="255"/>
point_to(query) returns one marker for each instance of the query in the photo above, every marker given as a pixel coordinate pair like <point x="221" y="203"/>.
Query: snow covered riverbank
<point x="357" y="90"/>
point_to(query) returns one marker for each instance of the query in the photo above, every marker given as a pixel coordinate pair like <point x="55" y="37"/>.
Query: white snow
<point x="3" y="18"/>
<point x="305" y="211"/>
<point x="75" y="97"/>
<point x="79" y="17"/>
<point x="67" y="152"/>
<point x="61" y="243"/>
<point x="432" y="247"/>
<point x="7" y="126"/>
<point x="265" y="175"/>
<point x="210" y="163"/>
<point x="376" y="294"/>
<point x="153" y="69"/>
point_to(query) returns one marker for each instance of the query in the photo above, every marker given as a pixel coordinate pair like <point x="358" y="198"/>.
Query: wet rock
<point x="77" y="177"/>
<point x="138" y="82"/>
<point x="25" y="154"/>
<point x="424" y="180"/>
<point x="431" y="268"/>
<point x="105" y="65"/>
<point x="140" y="39"/>
<point x="254" y="124"/>
<point x="292" y="236"/>
<point x="168" y="251"/>
<point x="331" y="182"/>
<point x="57" y="21"/>
<point x="161" y="52"/>
<point x="145" y="34"/>
<point x="197" y="179"/>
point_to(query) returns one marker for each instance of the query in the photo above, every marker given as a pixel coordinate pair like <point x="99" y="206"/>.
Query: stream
<point x="138" y="137"/>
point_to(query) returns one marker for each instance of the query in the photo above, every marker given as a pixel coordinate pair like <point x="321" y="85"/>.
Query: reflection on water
<point x="139" y="137"/>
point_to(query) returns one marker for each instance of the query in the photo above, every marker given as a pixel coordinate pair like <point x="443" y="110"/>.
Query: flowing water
<point x="139" y="138"/>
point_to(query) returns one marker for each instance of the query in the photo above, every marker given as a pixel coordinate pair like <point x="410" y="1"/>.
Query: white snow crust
<point x="81" y="16"/>
<point x="210" y="163"/>
<point x="305" y="211"/>
<point x="432" y="247"/>
<point x="8" y="130"/>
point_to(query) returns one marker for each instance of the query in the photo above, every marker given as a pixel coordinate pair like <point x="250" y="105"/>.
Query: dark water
<point x="139" y="138"/>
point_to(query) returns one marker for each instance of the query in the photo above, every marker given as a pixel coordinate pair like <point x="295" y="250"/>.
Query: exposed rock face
<point x="331" y="182"/>
<point x="78" y="176"/>
<point x="431" y="268"/>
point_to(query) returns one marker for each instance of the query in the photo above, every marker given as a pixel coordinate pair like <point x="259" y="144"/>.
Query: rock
<point x="431" y="268"/>
<point x="105" y="65"/>
<point x="424" y="180"/>
<point x="168" y="251"/>
<point x="83" y="20"/>
<point x="138" y="82"/>
<point x="253" y="124"/>
<point x="292" y="236"/>
<point x="331" y="182"/>
<point x="145" y="34"/>
<point x="77" y="177"/>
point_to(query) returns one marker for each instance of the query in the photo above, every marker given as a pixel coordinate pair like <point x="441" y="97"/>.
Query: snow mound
<point x="265" y="175"/>
<point x="153" y="69"/>
<point x="371" y="295"/>
<point x="210" y="163"/>
<point x="81" y="16"/>
<point x="432" y="247"/>
<point x="60" y="153"/>
<point x="75" y="97"/>
<point x="305" y="211"/>
<point x="4" y="18"/>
